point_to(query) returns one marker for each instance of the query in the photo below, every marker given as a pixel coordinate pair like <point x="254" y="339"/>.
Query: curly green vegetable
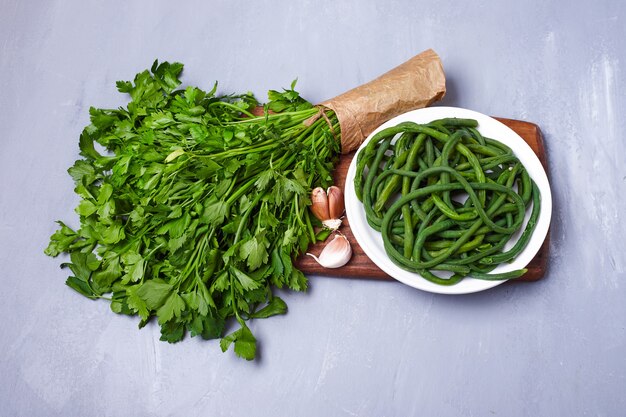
<point x="445" y="198"/>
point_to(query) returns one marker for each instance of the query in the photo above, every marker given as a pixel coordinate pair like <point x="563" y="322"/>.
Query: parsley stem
<point x="309" y="226"/>
<point x="241" y="191"/>
<point x="232" y="106"/>
<point x="246" y="214"/>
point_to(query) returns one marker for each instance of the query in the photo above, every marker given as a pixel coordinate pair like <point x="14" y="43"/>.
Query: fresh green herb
<point x="197" y="207"/>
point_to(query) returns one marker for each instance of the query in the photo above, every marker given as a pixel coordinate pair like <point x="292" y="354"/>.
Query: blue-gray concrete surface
<point x="556" y="347"/>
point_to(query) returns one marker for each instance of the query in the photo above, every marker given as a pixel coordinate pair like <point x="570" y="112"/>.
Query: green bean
<point x="454" y="122"/>
<point x="370" y="178"/>
<point x="394" y="183"/>
<point x="475" y="133"/>
<point x="446" y="224"/>
<point x="406" y="184"/>
<point x="526" y="234"/>
<point x="499" y="145"/>
<point x="485" y="150"/>
<point x="445" y="198"/>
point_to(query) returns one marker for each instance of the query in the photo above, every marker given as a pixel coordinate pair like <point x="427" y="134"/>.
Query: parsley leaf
<point x="254" y="251"/>
<point x="245" y="343"/>
<point x="192" y="208"/>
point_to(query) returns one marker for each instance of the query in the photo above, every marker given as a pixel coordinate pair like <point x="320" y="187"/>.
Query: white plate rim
<point x="371" y="241"/>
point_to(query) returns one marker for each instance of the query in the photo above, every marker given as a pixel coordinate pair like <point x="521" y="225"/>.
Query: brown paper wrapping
<point x="415" y="84"/>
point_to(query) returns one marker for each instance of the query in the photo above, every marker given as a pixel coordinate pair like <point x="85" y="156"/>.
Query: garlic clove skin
<point x="332" y="224"/>
<point x="336" y="204"/>
<point x="336" y="253"/>
<point x="319" y="204"/>
<point x="328" y="206"/>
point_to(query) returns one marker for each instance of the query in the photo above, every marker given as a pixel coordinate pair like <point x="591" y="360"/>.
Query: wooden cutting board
<point x="360" y="266"/>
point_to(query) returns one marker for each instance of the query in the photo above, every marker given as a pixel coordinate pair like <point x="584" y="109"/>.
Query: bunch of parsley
<point x="192" y="207"/>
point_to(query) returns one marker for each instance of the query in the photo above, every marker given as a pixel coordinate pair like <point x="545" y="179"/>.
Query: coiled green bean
<point x="445" y="198"/>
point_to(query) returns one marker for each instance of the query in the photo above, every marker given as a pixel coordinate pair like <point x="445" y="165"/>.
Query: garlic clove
<point x="332" y="224"/>
<point x="336" y="205"/>
<point x="319" y="204"/>
<point x="336" y="253"/>
<point x="328" y="206"/>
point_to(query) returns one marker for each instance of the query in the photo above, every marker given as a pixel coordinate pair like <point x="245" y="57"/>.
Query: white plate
<point x="371" y="240"/>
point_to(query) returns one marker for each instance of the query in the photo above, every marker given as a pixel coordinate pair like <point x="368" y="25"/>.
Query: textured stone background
<point x="347" y="347"/>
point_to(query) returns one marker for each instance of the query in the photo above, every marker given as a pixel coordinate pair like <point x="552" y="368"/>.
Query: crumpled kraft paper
<point x="414" y="84"/>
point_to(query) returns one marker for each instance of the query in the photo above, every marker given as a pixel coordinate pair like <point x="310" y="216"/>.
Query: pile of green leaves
<point x="192" y="207"/>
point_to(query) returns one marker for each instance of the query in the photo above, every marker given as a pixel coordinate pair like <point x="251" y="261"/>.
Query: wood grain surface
<point x="360" y="266"/>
